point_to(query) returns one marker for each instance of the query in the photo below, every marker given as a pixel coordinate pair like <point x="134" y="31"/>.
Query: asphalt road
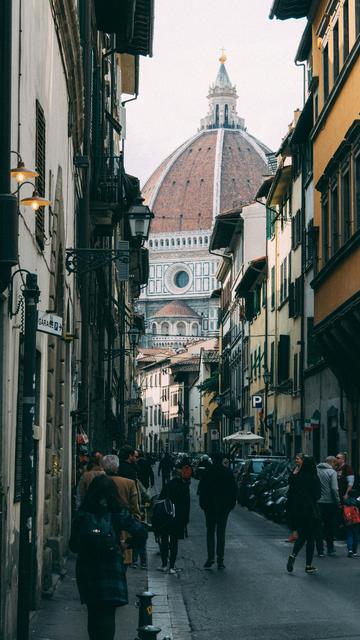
<point x="255" y="598"/>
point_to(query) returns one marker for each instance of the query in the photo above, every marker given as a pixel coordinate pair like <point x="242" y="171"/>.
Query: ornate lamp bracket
<point x="82" y="261"/>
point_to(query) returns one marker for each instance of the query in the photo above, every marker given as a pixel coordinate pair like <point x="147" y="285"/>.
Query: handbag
<point x="351" y="515"/>
<point x="81" y="437"/>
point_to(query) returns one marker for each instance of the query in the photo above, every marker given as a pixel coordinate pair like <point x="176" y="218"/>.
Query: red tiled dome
<point x="216" y="170"/>
<point x="176" y="310"/>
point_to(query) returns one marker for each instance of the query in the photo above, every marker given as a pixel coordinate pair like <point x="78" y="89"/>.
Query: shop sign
<point x="50" y="323"/>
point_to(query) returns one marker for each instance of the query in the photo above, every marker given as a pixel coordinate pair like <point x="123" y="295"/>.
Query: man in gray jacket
<point x="328" y="504"/>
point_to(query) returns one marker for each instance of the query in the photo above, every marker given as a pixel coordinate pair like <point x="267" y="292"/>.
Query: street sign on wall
<point x="257" y="402"/>
<point x="50" y="323"/>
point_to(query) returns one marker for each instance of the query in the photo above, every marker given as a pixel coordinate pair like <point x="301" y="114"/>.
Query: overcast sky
<point x="188" y="37"/>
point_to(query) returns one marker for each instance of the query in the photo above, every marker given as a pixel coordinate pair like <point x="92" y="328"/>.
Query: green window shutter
<point x="249" y="306"/>
<point x="272" y="287"/>
<point x="283" y="358"/>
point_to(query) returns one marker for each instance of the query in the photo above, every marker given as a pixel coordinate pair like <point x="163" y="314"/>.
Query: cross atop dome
<point x="222" y="102"/>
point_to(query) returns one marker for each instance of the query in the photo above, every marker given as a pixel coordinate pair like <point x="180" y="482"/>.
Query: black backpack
<point x="94" y="534"/>
<point x="163" y="515"/>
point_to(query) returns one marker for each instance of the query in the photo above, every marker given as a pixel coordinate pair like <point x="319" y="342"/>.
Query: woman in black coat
<point x="303" y="495"/>
<point x="100" y="571"/>
<point x="178" y="492"/>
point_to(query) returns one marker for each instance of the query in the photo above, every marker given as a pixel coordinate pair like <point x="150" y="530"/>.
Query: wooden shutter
<point x="40" y="163"/>
<point x="283" y="358"/>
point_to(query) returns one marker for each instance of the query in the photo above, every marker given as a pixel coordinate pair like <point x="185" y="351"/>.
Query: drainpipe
<point x="9" y="219"/>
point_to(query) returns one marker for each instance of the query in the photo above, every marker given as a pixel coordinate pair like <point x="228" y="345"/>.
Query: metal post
<point x="31" y="295"/>
<point x="145" y="608"/>
<point x="148" y="632"/>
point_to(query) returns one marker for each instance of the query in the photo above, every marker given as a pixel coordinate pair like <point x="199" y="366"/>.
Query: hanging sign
<point x="257" y="402"/>
<point x="50" y="323"/>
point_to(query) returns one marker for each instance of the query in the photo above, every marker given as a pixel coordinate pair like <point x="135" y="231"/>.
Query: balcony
<point x="107" y="190"/>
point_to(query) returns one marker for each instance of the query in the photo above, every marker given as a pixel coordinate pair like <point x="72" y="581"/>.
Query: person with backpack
<point x="96" y="539"/>
<point x="171" y="523"/>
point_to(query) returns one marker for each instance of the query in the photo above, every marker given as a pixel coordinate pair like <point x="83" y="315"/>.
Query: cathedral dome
<point x="176" y="310"/>
<point x="217" y="169"/>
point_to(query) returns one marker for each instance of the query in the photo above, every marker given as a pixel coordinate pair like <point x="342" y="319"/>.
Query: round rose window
<point x="181" y="279"/>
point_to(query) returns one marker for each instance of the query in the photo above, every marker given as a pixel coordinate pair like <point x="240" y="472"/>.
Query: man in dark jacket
<point x="144" y="471"/>
<point x="217" y="491"/>
<point x="177" y="491"/>
<point x="127" y="467"/>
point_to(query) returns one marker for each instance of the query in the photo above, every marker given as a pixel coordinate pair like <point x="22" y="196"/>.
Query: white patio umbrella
<point x="244" y="437"/>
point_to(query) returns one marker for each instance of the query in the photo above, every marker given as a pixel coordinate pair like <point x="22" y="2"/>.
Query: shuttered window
<point x="40" y="163"/>
<point x="19" y="425"/>
<point x="283" y="358"/>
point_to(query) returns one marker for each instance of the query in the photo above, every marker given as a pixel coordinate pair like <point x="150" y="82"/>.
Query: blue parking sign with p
<point x="257" y="402"/>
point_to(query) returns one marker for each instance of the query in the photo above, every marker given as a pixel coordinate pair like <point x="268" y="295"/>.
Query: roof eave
<point x="285" y="9"/>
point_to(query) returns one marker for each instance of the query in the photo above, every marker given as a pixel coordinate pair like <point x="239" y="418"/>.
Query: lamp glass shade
<point x="35" y="201"/>
<point x="22" y="173"/>
<point x="134" y="335"/>
<point x="139" y="217"/>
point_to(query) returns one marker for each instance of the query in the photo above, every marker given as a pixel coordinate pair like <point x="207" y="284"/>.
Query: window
<point x="270" y="222"/>
<point x="309" y="245"/>
<point x="259" y="362"/>
<point x="357" y="188"/>
<point x="295" y="375"/>
<point x="326" y="72"/>
<point x="40" y="164"/>
<point x="345" y="30"/>
<point x="346" y="205"/>
<point x="272" y="362"/>
<point x="272" y="287"/>
<point x="154" y="329"/>
<point x="283" y="281"/>
<point x="313" y="355"/>
<point x="181" y="279"/>
<point x="335" y="234"/>
<point x="325" y="230"/>
<point x="195" y="329"/>
<point x="296" y="230"/>
<point x="217" y="115"/>
<point x="226" y="117"/>
<point x="181" y="328"/>
<point x="165" y="328"/>
<point x="336" y="51"/>
<point x="283" y="358"/>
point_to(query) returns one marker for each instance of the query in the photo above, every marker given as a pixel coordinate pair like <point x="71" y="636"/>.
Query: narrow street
<point x="255" y="598"/>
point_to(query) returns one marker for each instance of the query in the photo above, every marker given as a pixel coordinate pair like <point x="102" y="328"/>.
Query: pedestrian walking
<point x="126" y="488"/>
<point x="329" y="504"/>
<point x="100" y="571"/>
<point x="165" y="467"/>
<point x="93" y="469"/>
<point x="303" y="495"/>
<point x="290" y="516"/>
<point x="217" y="492"/>
<point x="144" y="470"/>
<point x="176" y="491"/>
<point x="346" y="477"/>
<point x="127" y="462"/>
<point x="346" y="480"/>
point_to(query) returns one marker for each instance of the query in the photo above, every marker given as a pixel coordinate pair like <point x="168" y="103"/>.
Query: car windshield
<point x="257" y="466"/>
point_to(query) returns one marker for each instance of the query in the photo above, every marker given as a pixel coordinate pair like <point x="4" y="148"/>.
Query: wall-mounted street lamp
<point x="134" y="337"/>
<point x="140" y="216"/>
<point x="266" y="376"/>
<point x="20" y="172"/>
<point x="35" y="201"/>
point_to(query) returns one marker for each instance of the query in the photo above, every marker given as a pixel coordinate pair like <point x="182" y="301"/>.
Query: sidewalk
<point x="63" y="616"/>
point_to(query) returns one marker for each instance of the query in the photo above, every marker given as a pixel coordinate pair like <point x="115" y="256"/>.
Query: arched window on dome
<point x="161" y="243"/>
<point x="200" y="240"/>
<point x="150" y="243"/>
<point x="189" y="240"/>
<point x="167" y="242"/>
<point x="195" y="240"/>
<point x="181" y="329"/>
<point x="178" y="242"/>
<point x="226" y="115"/>
<point x="156" y="243"/>
<point x="195" y="329"/>
<point x="165" y="329"/>
<point x="184" y="240"/>
<point x="154" y="329"/>
<point x="172" y="242"/>
<point x="217" y="115"/>
<point x="206" y="239"/>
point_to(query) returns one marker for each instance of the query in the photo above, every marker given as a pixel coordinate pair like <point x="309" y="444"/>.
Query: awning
<point x="304" y="124"/>
<point x="224" y="229"/>
<point x="280" y="185"/>
<point x="131" y="20"/>
<point x="285" y="9"/>
<point x="265" y="187"/>
<point x="255" y="268"/>
<point x="245" y="437"/>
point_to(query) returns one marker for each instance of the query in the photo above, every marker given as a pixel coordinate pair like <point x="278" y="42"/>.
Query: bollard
<point x="145" y="608"/>
<point x="148" y="632"/>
